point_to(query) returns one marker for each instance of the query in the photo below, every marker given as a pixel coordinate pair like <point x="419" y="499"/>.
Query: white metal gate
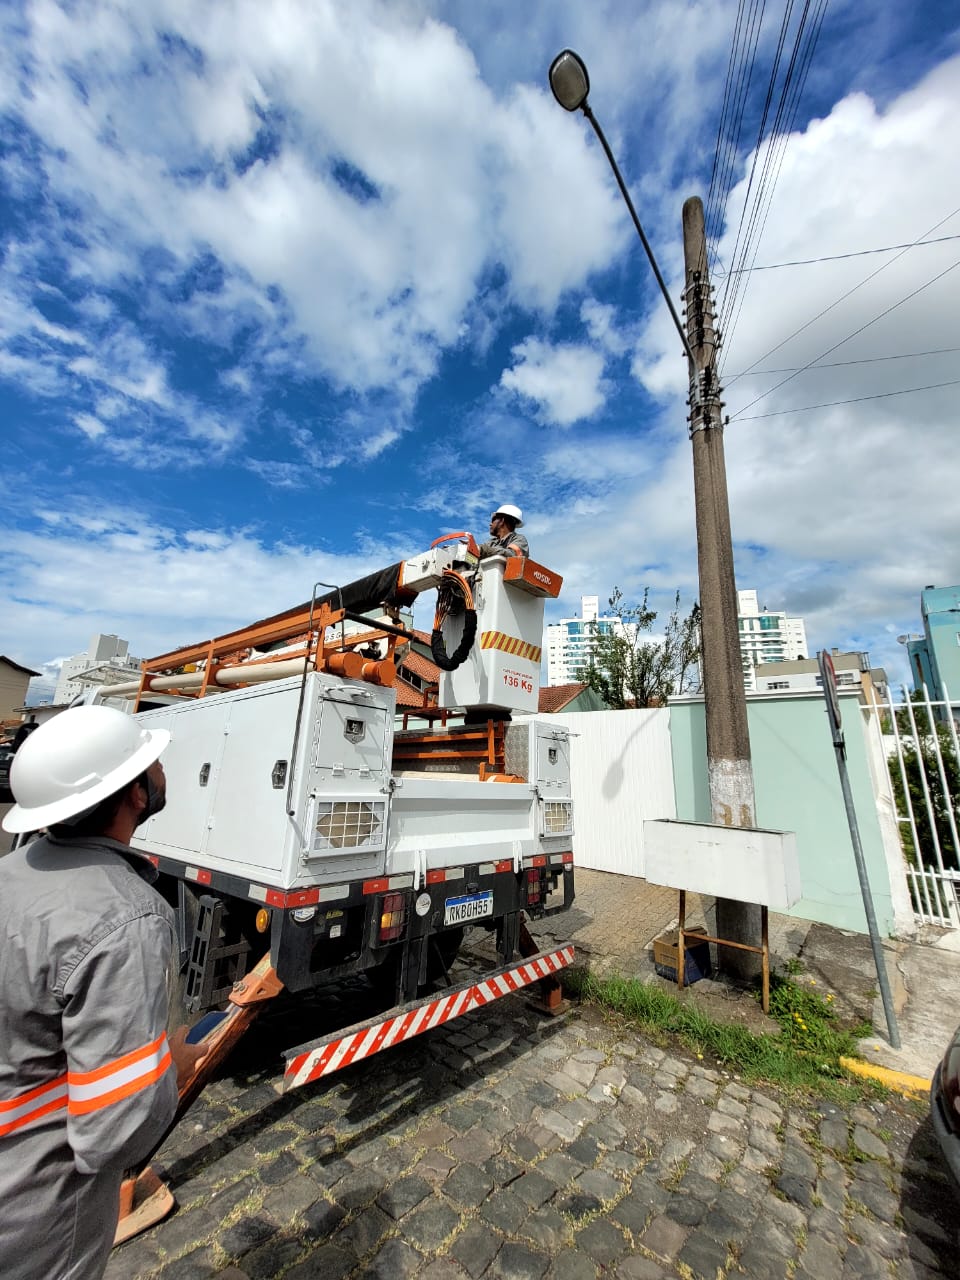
<point x="923" y="758"/>
<point x="621" y="772"/>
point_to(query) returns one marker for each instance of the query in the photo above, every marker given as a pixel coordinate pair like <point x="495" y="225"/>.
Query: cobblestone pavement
<point x="509" y="1145"/>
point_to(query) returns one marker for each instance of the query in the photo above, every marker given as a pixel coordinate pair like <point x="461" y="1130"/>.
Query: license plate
<point x="473" y="907"/>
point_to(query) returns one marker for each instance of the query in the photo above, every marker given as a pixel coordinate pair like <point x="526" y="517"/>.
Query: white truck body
<point x="293" y="810"/>
<point x="308" y="841"/>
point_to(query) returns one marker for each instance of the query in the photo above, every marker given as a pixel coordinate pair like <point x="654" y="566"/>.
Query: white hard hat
<point x="75" y="760"/>
<point x="506" y="509"/>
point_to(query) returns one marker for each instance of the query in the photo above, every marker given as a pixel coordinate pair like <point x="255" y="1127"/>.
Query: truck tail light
<point x="534" y="887"/>
<point x="393" y="917"/>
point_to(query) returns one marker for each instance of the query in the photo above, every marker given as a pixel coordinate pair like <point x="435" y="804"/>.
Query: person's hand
<point x="187" y="1058"/>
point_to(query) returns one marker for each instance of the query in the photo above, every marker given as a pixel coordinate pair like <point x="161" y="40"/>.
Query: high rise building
<point x="935" y="656"/>
<point x="569" y="640"/>
<point x="766" y="637"/>
<point x="107" y="653"/>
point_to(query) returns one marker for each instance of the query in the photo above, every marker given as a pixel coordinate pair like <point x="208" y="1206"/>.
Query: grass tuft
<point x="805" y="1055"/>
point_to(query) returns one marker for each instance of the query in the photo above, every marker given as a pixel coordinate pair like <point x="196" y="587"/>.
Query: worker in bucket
<point x="504" y="539"/>
<point x="88" y="1079"/>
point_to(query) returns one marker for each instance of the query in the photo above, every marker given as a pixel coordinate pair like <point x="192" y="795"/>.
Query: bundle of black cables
<point x="453" y="596"/>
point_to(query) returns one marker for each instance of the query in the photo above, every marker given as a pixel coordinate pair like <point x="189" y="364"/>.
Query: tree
<point x="628" y="668"/>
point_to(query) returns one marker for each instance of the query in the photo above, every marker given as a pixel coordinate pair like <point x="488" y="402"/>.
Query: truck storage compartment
<point x="442" y="820"/>
<point x="253" y="797"/>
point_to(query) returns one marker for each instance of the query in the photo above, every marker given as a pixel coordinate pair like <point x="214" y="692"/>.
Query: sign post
<point x="828" y="677"/>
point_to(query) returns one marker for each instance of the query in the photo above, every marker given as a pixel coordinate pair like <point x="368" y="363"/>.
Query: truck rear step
<point x="322" y="1057"/>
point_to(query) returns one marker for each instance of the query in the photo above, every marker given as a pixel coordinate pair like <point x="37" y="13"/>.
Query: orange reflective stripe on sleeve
<point x="17" y="1112"/>
<point x="125" y="1076"/>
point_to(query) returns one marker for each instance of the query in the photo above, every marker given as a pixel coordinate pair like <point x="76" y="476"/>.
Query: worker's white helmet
<point x="75" y="760"/>
<point x="506" y="509"/>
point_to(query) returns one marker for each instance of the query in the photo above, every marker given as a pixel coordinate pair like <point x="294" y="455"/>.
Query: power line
<point x="842" y="298"/>
<point x="830" y="404"/>
<point x="836" y="257"/>
<point x="783" y="127"/>
<point x="840" y="364"/>
<point x="801" y="57"/>
<point x="886" y="312"/>
<point x="743" y="56"/>
<point x="784" y="24"/>
<point x="717" y="175"/>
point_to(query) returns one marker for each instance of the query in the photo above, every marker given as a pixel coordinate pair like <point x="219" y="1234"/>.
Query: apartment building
<point x="766" y="636"/>
<point x="569" y="640"/>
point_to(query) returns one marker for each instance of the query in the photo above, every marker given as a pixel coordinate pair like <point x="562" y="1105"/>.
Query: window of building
<point x="778" y="684"/>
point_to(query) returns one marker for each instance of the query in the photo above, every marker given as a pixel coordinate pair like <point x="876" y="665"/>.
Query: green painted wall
<point x="797" y="788"/>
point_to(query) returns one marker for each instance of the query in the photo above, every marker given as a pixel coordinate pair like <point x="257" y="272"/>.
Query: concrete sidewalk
<point x="615" y="919"/>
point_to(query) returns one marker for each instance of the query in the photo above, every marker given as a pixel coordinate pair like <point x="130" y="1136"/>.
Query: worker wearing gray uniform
<point x="88" y="1079"/>
<point x="504" y="539"/>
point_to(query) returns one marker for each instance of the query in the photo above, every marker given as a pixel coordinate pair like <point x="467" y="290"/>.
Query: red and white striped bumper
<point x="323" y="1057"/>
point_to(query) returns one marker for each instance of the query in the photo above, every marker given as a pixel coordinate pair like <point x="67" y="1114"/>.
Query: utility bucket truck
<point x="308" y="839"/>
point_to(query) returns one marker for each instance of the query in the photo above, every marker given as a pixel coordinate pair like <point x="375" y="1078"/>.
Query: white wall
<point x="622" y="772"/>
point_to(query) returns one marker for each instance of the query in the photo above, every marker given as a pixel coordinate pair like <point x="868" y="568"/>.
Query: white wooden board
<point x="745" y="864"/>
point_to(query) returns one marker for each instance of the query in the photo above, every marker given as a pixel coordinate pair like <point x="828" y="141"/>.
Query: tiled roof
<point x="556" y="697"/>
<point x="406" y="696"/>
<point x="420" y="666"/>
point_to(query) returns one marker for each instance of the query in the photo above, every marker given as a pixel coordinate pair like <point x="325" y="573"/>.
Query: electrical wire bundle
<point x="454" y="598"/>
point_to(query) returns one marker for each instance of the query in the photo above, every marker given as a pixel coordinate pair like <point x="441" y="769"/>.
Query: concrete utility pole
<point x="728" y="739"/>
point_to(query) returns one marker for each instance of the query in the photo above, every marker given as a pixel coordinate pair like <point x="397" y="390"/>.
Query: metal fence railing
<point x="922" y="751"/>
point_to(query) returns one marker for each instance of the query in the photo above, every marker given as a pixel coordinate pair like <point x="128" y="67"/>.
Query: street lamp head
<point x="571" y="85"/>
<point x="569" y="80"/>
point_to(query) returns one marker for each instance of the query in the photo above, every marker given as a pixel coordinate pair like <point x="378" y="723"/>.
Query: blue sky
<point x="289" y="290"/>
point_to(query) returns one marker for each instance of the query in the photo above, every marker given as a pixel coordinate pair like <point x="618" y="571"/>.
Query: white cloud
<point x="330" y="205"/>
<point x="845" y="512"/>
<point x="601" y="323"/>
<point x="91" y="427"/>
<point x="565" y="381"/>
<point x="374" y="223"/>
<point x="119" y="572"/>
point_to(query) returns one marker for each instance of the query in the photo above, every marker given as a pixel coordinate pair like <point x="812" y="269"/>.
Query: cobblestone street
<point x="511" y="1145"/>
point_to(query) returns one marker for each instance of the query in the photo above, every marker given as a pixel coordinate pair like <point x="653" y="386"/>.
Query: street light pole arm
<point x="640" y="232"/>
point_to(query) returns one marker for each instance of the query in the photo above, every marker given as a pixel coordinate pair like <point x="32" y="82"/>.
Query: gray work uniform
<point x="505" y="546"/>
<point x="87" y="1085"/>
